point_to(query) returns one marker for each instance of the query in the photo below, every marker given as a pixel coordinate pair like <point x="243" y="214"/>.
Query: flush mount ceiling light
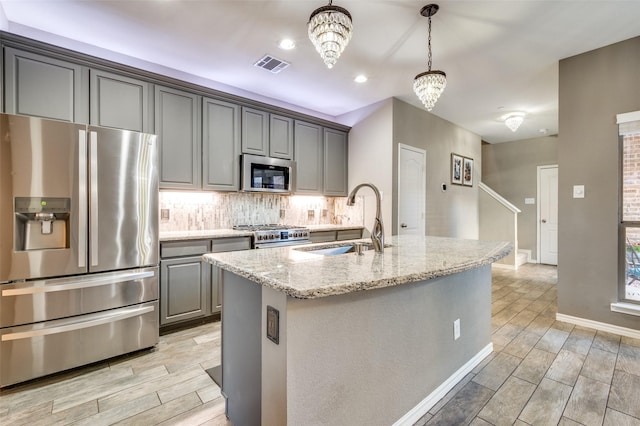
<point x="514" y="120"/>
<point x="429" y="84"/>
<point x="286" y="44"/>
<point x="330" y="29"/>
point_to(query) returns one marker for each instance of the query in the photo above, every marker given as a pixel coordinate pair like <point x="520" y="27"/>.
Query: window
<point x="629" y="136"/>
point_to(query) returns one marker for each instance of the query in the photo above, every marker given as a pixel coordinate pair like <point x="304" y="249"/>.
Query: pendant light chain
<point x="429" y="44"/>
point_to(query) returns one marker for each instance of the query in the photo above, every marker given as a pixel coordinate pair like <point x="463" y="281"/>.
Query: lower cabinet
<point x="184" y="285"/>
<point x="189" y="287"/>
<point x="335" y="235"/>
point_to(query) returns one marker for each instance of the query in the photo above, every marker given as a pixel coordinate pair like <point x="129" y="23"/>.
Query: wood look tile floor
<point x="542" y="372"/>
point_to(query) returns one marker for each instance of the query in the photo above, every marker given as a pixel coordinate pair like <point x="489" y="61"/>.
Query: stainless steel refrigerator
<point x="78" y="245"/>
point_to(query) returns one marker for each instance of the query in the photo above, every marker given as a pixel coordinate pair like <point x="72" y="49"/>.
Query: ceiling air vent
<point x="271" y="64"/>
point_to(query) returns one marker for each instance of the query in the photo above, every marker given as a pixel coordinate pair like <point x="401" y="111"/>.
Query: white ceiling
<point x="499" y="56"/>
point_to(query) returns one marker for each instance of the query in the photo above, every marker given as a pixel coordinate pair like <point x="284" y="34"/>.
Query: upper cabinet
<point x="280" y="137"/>
<point x="177" y="124"/>
<point x="120" y="102"/>
<point x="221" y="145"/>
<point x="45" y="87"/>
<point x="321" y="160"/>
<point x="255" y="131"/>
<point x="200" y="136"/>
<point x="308" y="156"/>
<point x="335" y="163"/>
<point x="266" y="134"/>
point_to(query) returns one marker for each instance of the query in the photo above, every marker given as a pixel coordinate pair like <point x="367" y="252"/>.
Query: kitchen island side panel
<point x="370" y="357"/>
<point x="241" y="349"/>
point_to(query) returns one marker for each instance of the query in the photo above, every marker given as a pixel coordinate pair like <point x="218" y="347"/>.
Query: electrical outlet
<point x="456" y="329"/>
<point x="164" y="214"/>
<point x="311" y="214"/>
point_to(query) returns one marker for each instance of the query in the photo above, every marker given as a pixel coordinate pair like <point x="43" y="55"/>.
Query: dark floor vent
<point x="271" y="64"/>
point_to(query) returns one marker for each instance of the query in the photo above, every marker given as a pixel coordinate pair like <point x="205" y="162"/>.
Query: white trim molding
<point x="626" y="308"/>
<point x="601" y="326"/>
<point x="628" y="117"/>
<point x="426" y="404"/>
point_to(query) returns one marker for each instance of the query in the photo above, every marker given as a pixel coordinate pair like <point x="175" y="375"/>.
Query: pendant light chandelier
<point x="330" y="29"/>
<point x="429" y="84"/>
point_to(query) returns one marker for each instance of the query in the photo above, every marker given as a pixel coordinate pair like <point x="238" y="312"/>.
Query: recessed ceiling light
<point x="286" y="44"/>
<point x="360" y="78"/>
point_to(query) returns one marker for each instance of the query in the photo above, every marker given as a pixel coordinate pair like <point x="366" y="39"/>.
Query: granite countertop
<point x="305" y="275"/>
<point x="196" y="235"/>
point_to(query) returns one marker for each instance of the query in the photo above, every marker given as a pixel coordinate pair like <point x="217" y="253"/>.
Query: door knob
<point x="544" y="220"/>
<point x="403" y="225"/>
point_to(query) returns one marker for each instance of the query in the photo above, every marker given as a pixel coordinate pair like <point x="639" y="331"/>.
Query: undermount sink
<point x="336" y="249"/>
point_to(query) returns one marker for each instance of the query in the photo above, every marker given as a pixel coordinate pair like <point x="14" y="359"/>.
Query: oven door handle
<point x="78" y="284"/>
<point x="107" y="318"/>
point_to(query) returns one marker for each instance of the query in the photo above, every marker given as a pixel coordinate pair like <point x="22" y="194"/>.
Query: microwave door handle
<point x="93" y="210"/>
<point x="82" y="199"/>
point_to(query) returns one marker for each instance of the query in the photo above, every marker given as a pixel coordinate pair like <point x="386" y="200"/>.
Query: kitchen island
<point x="352" y="339"/>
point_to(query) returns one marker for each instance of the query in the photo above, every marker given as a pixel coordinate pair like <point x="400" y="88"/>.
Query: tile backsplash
<point x="195" y="211"/>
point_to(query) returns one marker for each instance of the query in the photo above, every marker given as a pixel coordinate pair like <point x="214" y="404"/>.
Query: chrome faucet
<point x="377" y="233"/>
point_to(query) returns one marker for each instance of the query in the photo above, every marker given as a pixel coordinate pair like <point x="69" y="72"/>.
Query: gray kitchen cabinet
<point x="177" y="124"/>
<point x="308" y="154"/>
<point x="119" y="101"/>
<point x="266" y="134"/>
<point x="280" y="137"/>
<point x="183" y="289"/>
<point x="190" y="288"/>
<point x="335" y="163"/>
<point x="322" y="236"/>
<point x="255" y="131"/>
<point x="335" y="235"/>
<point x="184" y="281"/>
<point x="41" y="86"/>
<point x="220" y="145"/>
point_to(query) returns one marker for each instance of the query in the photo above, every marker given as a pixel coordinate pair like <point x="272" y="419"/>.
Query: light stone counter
<point x="304" y="275"/>
<point x="195" y="235"/>
<point x="291" y="356"/>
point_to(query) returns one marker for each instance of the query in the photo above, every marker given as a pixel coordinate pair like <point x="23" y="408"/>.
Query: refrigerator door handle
<point x="93" y="209"/>
<point x="78" y="284"/>
<point x="105" y="319"/>
<point x="82" y="199"/>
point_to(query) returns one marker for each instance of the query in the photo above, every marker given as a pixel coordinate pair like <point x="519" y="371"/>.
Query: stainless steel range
<point x="274" y="235"/>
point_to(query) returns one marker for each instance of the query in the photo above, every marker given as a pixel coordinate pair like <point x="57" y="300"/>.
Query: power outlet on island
<point x="456" y="329"/>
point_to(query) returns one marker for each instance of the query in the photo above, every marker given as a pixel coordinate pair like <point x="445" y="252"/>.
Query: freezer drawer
<point x="45" y="300"/>
<point x="31" y="351"/>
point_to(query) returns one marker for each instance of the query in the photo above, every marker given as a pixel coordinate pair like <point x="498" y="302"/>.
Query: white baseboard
<point x="425" y="405"/>
<point x="528" y="253"/>
<point x="602" y="326"/>
<point x="505" y="266"/>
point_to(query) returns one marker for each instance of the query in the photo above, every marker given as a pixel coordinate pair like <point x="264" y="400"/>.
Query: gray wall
<point x="454" y="212"/>
<point x="511" y="169"/>
<point x="594" y="87"/>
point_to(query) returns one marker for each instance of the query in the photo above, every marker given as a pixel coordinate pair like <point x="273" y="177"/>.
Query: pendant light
<point x="429" y="84"/>
<point x="330" y="30"/>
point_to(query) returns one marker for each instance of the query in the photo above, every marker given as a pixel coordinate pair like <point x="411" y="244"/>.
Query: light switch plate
<point x="529" y="200"/>
<point x="578" y="191"/>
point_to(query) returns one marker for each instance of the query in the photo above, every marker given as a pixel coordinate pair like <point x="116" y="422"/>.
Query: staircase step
<point x="522" y="257"/>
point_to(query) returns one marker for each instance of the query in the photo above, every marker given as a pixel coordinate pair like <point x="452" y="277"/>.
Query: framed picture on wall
<point x="467" y="171"/>
<point x="456" y="169"/>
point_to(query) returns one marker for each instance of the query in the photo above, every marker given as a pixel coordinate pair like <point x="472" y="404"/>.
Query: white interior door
<point x="411" y="190"/>
<point x="548" y="215"/>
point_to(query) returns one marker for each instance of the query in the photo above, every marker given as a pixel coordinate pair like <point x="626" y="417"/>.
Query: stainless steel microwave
<point x="266" y="174"/>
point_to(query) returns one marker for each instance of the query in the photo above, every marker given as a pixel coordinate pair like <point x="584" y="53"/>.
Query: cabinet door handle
<point x="403" y="225"/>
<point x="544" y="220"/>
